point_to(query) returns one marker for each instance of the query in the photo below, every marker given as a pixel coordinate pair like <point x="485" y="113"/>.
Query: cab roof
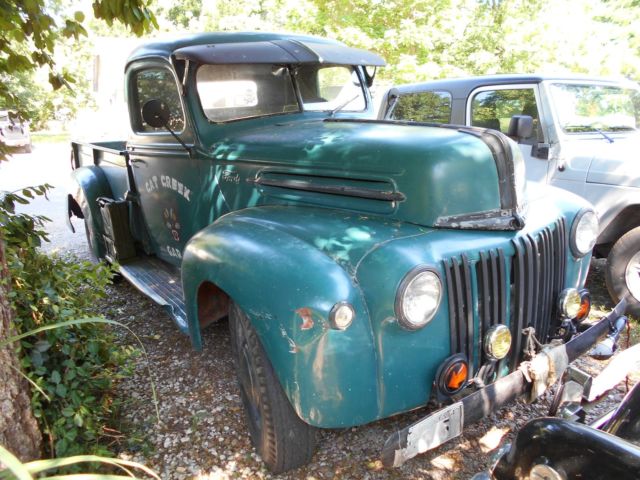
<point x="460" y="87"/>
<point x="255" y="47"/>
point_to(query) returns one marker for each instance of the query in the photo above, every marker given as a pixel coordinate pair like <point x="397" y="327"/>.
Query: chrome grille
<point x="520" y="291"/>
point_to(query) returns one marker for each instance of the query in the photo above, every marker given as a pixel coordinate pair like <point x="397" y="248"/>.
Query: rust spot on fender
<point x="307" y="320"/>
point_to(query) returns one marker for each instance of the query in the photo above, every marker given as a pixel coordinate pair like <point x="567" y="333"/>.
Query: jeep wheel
<point x="281" y="438"/>
<point x="623" y="270"/>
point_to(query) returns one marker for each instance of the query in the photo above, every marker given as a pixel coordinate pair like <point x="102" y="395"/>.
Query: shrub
<point x="72" y="369"/>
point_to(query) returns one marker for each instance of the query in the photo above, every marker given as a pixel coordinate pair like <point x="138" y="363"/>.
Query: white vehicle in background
<point x="13" y="132"/>
<point x="577" y="133"/>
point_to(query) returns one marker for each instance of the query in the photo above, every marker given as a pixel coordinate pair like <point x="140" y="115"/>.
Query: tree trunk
<point x="19" y="431"/>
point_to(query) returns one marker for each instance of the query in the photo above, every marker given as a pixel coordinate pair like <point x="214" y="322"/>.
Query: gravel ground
<point x="202" y="434"/>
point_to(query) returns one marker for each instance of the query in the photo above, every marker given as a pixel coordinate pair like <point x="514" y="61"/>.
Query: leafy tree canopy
<point x="30" y="30"/>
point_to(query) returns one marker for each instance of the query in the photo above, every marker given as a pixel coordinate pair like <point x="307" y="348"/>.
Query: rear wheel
<point x="623" y="270"/>
<point x="281" y="438"/>
<point x="88" y="231"/>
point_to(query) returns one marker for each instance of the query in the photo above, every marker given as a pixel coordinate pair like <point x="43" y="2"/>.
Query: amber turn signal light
<point x="456" y="376"/>
<point x="452" y="375"/>
<point x="585" y="305"/>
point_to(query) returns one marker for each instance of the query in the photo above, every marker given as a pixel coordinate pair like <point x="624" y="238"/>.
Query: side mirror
<point x="369" y="76"/>
<point x="155" y="113"/>
<point x="520" y="127"/>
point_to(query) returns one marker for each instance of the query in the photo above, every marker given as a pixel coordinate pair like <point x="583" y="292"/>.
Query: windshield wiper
<point x="607" y="137"/>
<point x="342" y="105"/>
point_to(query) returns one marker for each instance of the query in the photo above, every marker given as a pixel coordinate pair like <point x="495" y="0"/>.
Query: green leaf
<point x="79" y="16"/>
<point x="42" y="346"/>
<point x="61" y="390"/>
<point x="55" y="378"/>
<point x="14" y="465"/>
<point x="77" y="419"/>
<point x="68" y="412"/>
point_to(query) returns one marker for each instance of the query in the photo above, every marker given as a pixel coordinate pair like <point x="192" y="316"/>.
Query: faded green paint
<point x="232" y="213"/>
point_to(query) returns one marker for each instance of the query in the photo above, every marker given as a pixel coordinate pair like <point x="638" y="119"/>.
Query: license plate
<point x="434" y="430"/>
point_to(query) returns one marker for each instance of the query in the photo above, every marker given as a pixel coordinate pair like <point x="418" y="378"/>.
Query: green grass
<point x="46" y="137"/>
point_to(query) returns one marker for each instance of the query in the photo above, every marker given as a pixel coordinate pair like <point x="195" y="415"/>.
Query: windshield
<point x="330" y="88"/>
<point x="596" y="108"/>
<point x="231" y="92"/>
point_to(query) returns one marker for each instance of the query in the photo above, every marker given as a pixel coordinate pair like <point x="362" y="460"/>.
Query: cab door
<point x="493" y="106"/>
<point x="165" y="173"/>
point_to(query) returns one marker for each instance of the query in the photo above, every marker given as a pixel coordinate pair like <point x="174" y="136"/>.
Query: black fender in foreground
<point x="572" y="449"/>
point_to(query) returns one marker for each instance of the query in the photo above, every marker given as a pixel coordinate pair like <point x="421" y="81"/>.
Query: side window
<point x="429" y="107"/>
<point x="494" y="109"/>
<point x="157" y="83"/>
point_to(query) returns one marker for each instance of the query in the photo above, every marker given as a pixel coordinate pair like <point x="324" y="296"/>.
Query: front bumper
<point x="532" y="378"/>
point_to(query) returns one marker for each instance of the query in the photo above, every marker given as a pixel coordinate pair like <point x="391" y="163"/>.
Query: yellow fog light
<point x="570" y="303"/>
<point x="497" y="342"/>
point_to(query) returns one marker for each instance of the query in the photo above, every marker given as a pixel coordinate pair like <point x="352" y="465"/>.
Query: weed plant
<point x="72" y="369"/>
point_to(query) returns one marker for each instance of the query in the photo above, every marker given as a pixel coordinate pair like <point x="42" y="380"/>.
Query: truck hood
<point x="615" y="163"/>
<point x="431" y="176"/>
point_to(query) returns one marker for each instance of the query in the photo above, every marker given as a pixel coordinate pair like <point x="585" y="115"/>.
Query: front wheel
<point x="623" y="270"/>
<point x="281" y="438"/>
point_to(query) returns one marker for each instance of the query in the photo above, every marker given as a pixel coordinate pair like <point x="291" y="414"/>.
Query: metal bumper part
<point x="531" y="378"/>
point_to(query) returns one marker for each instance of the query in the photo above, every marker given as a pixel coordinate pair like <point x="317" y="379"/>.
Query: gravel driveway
<point x="202" y="434"/>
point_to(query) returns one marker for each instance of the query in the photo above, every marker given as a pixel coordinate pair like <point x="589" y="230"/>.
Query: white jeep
<point x="577" y="133"/>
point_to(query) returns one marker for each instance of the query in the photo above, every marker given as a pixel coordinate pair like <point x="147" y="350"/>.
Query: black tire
<point x="88" y="232"/>
<point x="623" y="256"/>
<point x="281" y="438"/>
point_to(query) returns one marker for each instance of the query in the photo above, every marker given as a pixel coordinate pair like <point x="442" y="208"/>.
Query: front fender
<point x="92" y="184"/>
<point x="287" y="286"/>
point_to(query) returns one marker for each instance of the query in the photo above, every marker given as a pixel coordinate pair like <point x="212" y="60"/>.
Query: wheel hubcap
<point x="632" y="276"/>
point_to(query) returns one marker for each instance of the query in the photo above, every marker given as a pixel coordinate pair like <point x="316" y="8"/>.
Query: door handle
<point x="137" y="160"/>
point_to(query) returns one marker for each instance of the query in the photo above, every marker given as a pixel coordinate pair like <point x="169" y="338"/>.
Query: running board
<point x="161" y="283"/>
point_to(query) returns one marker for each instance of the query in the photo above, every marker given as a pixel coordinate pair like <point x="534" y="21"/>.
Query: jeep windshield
<point x="593" y="108"/>
<point x="233" y="92"/>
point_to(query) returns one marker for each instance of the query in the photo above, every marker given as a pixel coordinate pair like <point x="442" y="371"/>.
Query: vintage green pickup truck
<point x="366" y="267"/>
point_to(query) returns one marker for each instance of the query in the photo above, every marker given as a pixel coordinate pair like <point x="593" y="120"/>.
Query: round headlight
<point x="418" y="298"/>
<point x="584" y="232"/>
<point x="497" y="342"/>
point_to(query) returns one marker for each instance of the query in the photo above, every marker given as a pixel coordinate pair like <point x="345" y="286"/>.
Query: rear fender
<point x="91" y="185"/>
<point x="287" y="287"/>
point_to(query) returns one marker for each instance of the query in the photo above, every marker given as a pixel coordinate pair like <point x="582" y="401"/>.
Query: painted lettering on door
<point x="165" y="181"/>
